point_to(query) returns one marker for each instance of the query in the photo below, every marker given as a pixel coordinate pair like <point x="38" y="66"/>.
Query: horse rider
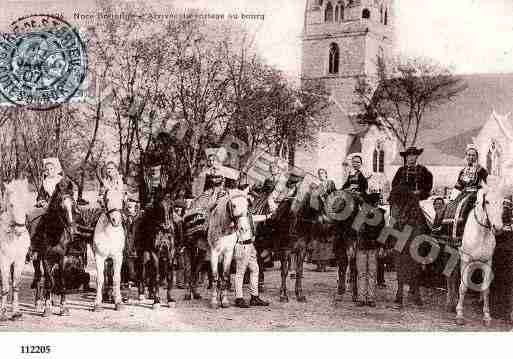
<point x="322" y="240"/>
<point x="356" y="182"/>
<point x="153" y="187"/>
<point x="411" y="184"/>
<point x="52" y="174"/>
<point x="112" y="181"/>
<point x="439" y="207"/>
<point x="464" y="194"/>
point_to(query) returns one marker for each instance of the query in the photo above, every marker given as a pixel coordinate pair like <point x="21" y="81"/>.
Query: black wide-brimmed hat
<point x="374" y="198"/>
<point x="412" y="151"/>
<point x="295" y="176"/>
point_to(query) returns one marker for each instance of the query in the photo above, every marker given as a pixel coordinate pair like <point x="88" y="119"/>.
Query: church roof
<point x="449" y="128"/>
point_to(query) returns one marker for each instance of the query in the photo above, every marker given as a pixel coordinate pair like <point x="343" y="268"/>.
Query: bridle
<point x="487" y="224"/>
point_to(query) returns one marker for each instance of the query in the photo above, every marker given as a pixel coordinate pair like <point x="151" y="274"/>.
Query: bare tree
<point x="404" y="90"/>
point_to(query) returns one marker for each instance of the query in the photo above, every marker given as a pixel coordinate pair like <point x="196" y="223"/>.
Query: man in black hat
<point x="412" y="183"/>
<point x="412" y="178"/>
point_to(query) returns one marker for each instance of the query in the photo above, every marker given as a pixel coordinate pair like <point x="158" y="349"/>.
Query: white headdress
<point x="472" y="146"/>
<point x="54" y="161"/>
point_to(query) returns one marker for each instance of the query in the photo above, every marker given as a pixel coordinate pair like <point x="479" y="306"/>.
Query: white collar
<point x="49" y="184"/>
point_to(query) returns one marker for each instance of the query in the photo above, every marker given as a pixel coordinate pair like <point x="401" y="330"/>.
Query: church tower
<point x="342" y="40"/>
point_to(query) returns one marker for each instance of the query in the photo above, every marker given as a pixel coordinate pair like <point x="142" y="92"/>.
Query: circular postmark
<point x="43" y="62"/>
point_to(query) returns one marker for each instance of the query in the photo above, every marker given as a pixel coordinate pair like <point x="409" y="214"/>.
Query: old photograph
<point x="263" y="166"/>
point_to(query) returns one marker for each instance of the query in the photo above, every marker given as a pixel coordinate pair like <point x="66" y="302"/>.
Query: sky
<point x="470" y="36"/>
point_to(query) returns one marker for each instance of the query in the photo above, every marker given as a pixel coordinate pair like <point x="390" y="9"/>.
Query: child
<point x="367" y="248"/>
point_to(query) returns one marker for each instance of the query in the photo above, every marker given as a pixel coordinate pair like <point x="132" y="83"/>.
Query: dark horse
<point x="155" y="242"/>
<point x="292" y="226"/>
<point x="53" y="236"/>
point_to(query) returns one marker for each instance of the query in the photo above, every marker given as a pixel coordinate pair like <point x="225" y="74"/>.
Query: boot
<point x="241" y="303"/>
<point x="257" y="302"/>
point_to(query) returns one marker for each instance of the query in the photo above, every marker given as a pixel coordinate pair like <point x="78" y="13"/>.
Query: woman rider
<point x="112" y="181"/>
<point x="464" y="194"/>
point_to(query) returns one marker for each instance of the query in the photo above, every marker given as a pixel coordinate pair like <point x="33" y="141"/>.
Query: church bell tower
<point x="342" y="40"/>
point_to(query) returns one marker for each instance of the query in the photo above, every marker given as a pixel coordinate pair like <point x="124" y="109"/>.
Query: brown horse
<point x="53" y="235"/>
<point x="155" y="243"/>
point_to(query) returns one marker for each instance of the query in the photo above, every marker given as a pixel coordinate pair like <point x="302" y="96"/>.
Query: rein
<point x="487" y="224"/>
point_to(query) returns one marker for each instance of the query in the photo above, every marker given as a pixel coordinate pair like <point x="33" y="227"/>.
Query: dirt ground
<point x="320" y="313"/>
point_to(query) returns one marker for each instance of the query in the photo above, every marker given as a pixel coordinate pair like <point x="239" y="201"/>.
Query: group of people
<point x="412" y="183"/>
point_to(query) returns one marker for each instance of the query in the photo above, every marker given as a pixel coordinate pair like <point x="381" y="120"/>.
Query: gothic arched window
<point x="493" y="160"/>
<point x="378" y="159"/>
<point x="328" y="12"/>
<point x="339" y="11"/>
<point x="334" y="58"/>
<point x="366" y="14"/>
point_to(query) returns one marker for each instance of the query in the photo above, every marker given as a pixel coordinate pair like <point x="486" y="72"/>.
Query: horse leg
<point x="154" y="281"/>
<point x="188" y="272"/>
<point x="62" y="288"/>
<point x="214" y="260"/>
<point x="460" y="319"/>
<point x="300" y="258"/>
<point x="100" y="267"/>
<point x="142" y="276"/>
<point x="400" y="292"/>
<point x="225" y="278"/>
<point x="452" y="291"/>
<point x="117" y="262"/>
<point x="285" y="256"/>
<point x="342" y="262"/>
<point x="5" y="272"/>
<point x="16" y="281"/>
<point x="48" y="284"/>
<point x="169" y="272"/>
<point x="37" y="284"/>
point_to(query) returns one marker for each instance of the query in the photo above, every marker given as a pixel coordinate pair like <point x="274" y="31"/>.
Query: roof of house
<point x="449" y="128"/>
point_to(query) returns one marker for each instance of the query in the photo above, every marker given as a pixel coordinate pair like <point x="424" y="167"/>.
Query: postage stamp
<point x="43" y="62"/>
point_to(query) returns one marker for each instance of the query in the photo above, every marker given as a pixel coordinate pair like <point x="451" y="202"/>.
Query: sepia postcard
<point x="235" y="166"/>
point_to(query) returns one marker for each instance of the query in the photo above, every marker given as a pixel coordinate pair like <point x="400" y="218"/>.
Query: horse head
<point x="165" y="208"/>
<point x="16" y="204"/>
<point x="114" y="205"/>
<point x="490" y="205"/>
<point x="62" y="201"/>
<point x="238" y="203"/>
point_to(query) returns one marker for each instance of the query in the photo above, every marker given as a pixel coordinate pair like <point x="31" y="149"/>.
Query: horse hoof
<point x="39" y="306"/>
<point x="65" y="312"/>
<point x="16" y="316"/>
<point x="187" y="297"/>
<point x="301" y="299"/>
<point x="3" y="315"/>
<point x="118" y="307"/>
<point x="171" y="303"/>
<point x="450" y="308"/>
<point x="155" y="306"/>
<point x="487" y="322"/>
<point x="47" y="312"/>
<point x="460" y="321"/>
<point x="225" y="304"/>
<point x="97" y="308"/>
<point x="284" y="299"/>
<point x="196" y="296"/>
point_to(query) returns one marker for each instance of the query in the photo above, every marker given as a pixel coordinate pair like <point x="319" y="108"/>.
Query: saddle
<point x="455" y="216"/>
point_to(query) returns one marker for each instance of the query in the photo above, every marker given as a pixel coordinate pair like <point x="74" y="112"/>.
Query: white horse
<point x="478" y="245"/>
<point x="227" y="222"/>
<point x="14" y="243"/>
<point x="109" y="242"/>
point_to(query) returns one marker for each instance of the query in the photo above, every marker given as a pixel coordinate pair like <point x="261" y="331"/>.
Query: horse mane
<point x="218" y="219"/>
